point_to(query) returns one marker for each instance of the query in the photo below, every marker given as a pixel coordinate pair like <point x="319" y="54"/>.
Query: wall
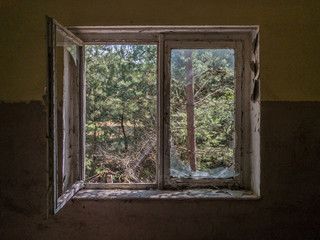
<point x="290" y="126"/>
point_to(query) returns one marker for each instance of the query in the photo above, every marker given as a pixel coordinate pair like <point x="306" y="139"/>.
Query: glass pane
<point x="121" y="113"/>
<point x="67" y="79"/>
<point x="202" y="113"/>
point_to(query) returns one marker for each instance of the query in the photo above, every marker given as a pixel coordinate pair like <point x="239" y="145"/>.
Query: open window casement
<point x="65" y="114"/>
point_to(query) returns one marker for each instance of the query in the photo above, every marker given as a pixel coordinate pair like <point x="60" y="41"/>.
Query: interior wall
<point x="290" y="126"/>
<point x="289" y="37"/>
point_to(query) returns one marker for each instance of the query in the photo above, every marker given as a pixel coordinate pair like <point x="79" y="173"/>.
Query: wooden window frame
<point x="193" y="42"/>
<point x="55" y="202"/>
<point x="243" y="39"/>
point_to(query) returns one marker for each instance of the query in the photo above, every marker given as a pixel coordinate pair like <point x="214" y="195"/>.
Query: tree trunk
<point x="144" y="155"/>
<point x="124" y="133"/>
<point x="134" y="126"/>
<point x="191" y="140"/>
<point x="94" y="136"/>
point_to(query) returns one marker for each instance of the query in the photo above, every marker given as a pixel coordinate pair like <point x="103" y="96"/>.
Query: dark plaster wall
<point x="288" y="209"/>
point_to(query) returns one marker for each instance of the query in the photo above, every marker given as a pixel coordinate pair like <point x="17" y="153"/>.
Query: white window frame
<point x="243" y="39"/>
<point x="193" y="42"/>
<point x="55" y="203"/>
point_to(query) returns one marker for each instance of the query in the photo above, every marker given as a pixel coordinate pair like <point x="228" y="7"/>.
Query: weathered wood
<point x="76" y="118"/>
<point x="70" y="121"/>
<point x="120" y="186"/>
<point x="60" y="145"/>
<point x="67" y="195"/>
<point x="166" y="115"/>
<point x="71" y="118"/>
<point x="159" y="29"/>
<point x="191" y="139"/>
<point x="67" y="33"/>
<point x="255" y="117"/>
<point x="160" y="113"/>
<point x="52" y="123"/>
<point x="82" y="112"/>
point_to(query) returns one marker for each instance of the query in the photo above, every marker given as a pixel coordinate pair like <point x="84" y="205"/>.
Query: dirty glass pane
<point x="202" y="113"/>
<point x="67" y="80"/>
<point x="121" y="97"/>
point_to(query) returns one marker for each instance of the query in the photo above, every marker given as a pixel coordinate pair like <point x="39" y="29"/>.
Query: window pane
<point x="202" y="113"/>
<point x="121" y="113"/>
<point x="67" y="76"/>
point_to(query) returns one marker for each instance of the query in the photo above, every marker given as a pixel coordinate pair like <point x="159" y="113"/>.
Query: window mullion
<point x="160" y="110"/>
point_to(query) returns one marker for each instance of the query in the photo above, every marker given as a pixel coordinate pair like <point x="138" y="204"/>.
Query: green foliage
<point x="213" y="72"/>
<point x="121" y="109"/>
<point x="121" y="105"/>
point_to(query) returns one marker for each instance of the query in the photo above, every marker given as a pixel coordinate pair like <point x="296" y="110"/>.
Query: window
<point x="178" y="107"/>
<point x="121" y="106"/>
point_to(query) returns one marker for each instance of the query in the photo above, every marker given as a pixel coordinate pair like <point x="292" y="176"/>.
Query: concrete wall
<point x="290" y="126"/>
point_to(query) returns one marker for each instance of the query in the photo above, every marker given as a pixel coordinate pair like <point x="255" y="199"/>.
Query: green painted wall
<point x="289" y="38"/>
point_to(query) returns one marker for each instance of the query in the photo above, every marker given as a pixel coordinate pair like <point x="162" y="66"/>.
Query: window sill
<point x="188" y="194"/>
